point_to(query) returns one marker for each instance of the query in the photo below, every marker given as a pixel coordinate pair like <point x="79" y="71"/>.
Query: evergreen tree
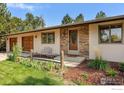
<point x="79" y="18"/>
<point x="67" y="19"/>
<point x="100" y="14"/>
<point x="16" y="24"/>
<point x="33" y="22"/>
<point x="5" y="16"/>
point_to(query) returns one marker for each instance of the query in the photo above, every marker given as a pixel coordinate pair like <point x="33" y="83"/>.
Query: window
<point x="104" y="34"/>
<point x="116" y="34"/>
<point x="48" y="38"/>
<point x="110" y="34"/>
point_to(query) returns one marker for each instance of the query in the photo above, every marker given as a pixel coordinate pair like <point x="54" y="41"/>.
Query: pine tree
<point x="5" y="17"/>
<point x="100" y="14"/>
<point x="33" y="22"/>
<point x="79" y="18"/>
<point x="67" y="19"/>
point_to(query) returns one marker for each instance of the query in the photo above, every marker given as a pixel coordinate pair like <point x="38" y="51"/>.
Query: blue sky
<point x="53" y="13"/>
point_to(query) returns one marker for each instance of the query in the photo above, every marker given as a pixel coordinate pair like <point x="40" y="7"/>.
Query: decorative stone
<point x="103" y="81"/>
<point x="83" y="36"/>
<point x="121" y="73"/>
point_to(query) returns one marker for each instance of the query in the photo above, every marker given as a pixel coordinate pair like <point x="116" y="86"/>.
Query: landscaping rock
<point x="121" y="73"/>
<point x="103" y="81"/>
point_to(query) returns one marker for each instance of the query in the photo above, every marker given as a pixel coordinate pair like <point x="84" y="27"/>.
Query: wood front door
<point x="27" y="43"/>
<point x="73" y="40"/>
<point x="12" y="42"/>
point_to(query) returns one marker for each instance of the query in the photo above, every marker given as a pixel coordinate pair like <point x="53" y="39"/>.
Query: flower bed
<point x="83" y="75"/>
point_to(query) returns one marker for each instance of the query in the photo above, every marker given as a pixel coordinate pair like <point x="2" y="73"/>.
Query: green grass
<point x="12" y="73"/>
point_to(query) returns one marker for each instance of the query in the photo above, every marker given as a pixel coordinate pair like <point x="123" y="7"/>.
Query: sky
<point x="53" y="13"/>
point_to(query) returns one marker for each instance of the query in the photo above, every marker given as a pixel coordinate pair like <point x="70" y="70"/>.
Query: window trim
<point x="99" y="41"/>
<point x="47" y="38"/>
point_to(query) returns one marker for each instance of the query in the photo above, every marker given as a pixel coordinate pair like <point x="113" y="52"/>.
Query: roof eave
<point x="74" y="24"/>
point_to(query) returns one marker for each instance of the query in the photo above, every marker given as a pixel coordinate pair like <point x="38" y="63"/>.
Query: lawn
<point x="12" y="73"/>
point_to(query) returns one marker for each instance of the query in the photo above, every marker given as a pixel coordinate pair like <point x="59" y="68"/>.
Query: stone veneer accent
<point x="83" y="35"/>
<point x="64" y="39"/>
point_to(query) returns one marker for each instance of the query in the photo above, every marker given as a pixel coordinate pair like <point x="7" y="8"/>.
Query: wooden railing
<point x="61" y="59"/>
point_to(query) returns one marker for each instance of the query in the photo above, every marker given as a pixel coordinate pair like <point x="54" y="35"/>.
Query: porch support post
<point x="62" y="59"/>
<point x="31" y="55"/>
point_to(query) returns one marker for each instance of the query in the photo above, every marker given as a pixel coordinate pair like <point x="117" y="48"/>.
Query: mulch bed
<point x="94" y="76"/>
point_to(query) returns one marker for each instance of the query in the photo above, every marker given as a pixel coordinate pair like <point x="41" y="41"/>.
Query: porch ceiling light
<point x="35" y="36"/>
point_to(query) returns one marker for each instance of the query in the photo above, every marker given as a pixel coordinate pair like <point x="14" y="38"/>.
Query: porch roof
<point x="73" y="24"/>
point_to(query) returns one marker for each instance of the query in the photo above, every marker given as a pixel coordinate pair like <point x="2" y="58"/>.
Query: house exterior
<point x="83" y="39"/>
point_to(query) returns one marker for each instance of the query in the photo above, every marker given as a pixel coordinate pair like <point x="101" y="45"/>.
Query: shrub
<point x="121" y="67"/>
<point x="98" y="63"/>
<point x="84" y="75"/>
<point x="25" y="62"/>
<point x="10" y="57"/>
<point x="48" y="66"/>
<point x="111" y="72"/>
<point x="16" y="52"/>
<point x="79" y="82"/>
<point x="40" y="65"/>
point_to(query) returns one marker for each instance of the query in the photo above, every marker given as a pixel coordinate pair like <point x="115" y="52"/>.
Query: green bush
<point x="16" y="52"/>
<point x="121" y="67"/>
<point x="40" y="65"/>
<point x="10" y="57"/>
<point x="84" y="75"/>
<point x="98" y="63"/>
<point x="111" y="72"/>
<point x="79" y="82"/>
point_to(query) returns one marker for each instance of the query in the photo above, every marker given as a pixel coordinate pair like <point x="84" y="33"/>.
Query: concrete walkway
<point x="3" y="56"/>
<point x="77" y="59"/>
<point x="69" y="61"/>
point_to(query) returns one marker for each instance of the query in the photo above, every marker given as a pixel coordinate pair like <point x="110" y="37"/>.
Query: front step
<point x="72" y="64"/>
<point x="73" y="52"/>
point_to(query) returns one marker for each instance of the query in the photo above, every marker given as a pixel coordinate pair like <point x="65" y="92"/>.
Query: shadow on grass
<point x="34" y="81"/>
